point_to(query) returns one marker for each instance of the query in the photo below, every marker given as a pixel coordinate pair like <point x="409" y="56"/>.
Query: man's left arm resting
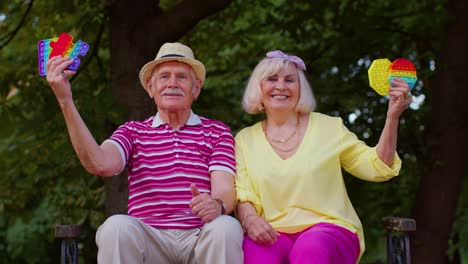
<point x="223" y="188"/>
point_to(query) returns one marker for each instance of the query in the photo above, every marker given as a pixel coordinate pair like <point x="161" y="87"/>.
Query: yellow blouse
<point x="308" y="187"/>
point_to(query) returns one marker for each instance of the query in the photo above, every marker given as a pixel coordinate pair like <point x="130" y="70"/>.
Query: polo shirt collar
<point x="192" y="121"/>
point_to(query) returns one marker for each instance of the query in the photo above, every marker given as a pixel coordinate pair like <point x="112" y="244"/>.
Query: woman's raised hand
<point x="400" y="98"/>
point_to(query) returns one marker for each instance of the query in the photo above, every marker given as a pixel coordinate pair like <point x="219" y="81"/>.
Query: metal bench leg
<point x="398" y="251"/>
<point x="69" y="252"/>
<point x="398" y="247"/>
<point x="69" y="235"/>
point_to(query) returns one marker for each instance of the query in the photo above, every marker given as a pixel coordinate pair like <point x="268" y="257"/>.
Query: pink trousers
<point x="322" y="243"/>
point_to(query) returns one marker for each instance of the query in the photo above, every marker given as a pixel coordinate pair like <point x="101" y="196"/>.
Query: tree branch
<point x="182" y="18"/>
<point x="10" y="35"/>
<point x="94" y="50"/>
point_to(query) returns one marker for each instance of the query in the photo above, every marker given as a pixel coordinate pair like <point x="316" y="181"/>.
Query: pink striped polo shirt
<point x="162" y="163"/>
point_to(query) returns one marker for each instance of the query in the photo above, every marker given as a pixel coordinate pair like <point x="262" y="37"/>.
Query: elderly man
<point x="180" y="169"/>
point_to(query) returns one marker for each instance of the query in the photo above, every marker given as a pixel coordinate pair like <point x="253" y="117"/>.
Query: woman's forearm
<point x="244" y="211"/>
<point x="388" y="141"/>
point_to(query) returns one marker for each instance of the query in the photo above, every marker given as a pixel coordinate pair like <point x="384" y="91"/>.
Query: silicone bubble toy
<point x="382" y="71"/>
<point x="63" y="45"/>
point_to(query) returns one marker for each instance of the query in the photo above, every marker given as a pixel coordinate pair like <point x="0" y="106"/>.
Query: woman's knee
<point x="311" y="253"/>
<point x="258" y="253"/>
<point x="320" y="247"/>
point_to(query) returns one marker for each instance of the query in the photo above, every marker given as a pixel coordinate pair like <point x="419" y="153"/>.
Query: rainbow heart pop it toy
<point x="382" y="71"/>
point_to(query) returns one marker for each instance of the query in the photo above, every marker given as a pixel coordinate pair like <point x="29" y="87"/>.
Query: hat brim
<point x="147" y="69"/>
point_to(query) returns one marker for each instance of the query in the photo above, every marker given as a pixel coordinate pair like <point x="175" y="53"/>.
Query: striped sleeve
<point x="223" y="155"/>
<point x="123" y="139"/>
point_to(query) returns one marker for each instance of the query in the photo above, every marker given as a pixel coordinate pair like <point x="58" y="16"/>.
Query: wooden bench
<point x="398" y="242"/>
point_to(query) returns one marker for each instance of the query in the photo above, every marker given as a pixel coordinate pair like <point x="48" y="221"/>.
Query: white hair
<point x="252" y="99"/>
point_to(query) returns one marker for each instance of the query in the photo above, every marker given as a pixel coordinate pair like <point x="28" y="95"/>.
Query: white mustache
<point x="172" y="91"/>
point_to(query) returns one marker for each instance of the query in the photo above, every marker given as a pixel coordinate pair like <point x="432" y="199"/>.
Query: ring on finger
<point x="62" y="74"/>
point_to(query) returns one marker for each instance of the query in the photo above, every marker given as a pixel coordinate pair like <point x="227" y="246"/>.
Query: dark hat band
<point x="172" y="55"/>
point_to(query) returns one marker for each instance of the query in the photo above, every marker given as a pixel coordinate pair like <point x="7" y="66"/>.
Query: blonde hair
<point x="252" y="99"/>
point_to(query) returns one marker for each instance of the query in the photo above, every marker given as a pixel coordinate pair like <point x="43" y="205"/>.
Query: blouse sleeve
<point x="362" y="161"/>
<point x="245" y="187"/>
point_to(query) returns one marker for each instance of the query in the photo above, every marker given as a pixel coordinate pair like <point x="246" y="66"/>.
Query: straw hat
<point x="173" y="52"/>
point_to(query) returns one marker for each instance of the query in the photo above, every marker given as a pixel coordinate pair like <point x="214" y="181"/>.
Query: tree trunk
<point x="137" y="30"/>
<point x="439" y="190"/>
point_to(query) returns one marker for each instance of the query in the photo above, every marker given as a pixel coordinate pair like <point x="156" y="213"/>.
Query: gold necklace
<point x="298" y="124"/>
<point x="270" y="141"/>
<point x="285" y="150"/>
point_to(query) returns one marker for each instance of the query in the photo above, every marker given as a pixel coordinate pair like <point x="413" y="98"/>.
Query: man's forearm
<point x="88" y="151"/>
<point x="229" y="199"/>
<point x="223" y="187"/>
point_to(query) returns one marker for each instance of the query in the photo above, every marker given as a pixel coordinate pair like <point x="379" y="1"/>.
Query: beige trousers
<point x="125" y="239"/>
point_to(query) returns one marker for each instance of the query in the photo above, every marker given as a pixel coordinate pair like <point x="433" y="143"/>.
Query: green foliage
<point x="42" y="182"/>
<point x="168" y="4"/>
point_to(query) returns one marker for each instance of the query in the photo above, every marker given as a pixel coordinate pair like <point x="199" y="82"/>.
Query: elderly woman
<point x="292" y="201"/>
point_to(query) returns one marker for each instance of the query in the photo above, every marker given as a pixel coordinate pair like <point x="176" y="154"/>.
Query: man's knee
<point x="115" y="227"/>
<point x="220" y="242"/>
<point x="225" y="226"/>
